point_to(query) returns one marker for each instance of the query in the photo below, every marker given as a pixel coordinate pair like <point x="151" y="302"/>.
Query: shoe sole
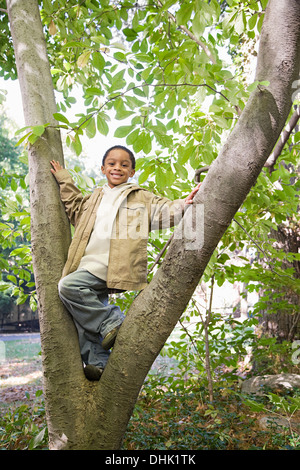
<point x="92" y="373"/>
<point x="110" y="339"/>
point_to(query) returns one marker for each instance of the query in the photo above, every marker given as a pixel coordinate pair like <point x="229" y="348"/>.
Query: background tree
<point x="174" y="68"/>
<point x="17" y="278"/>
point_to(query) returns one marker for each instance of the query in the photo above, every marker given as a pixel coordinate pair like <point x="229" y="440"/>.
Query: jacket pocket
<point x="132" y="215"/>
<point x="133" y="221"/>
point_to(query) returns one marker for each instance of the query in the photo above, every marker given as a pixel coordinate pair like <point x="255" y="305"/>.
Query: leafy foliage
<point x="15" y="257"/>
<point x="148" y="65"/>
<point x="179" y="421"/>
<point x="24" y="428"/>
<point x="170" y="415"/>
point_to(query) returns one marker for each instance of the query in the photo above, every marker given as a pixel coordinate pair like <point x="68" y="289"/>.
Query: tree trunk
<point x="50" y="229"/>
<point x="284" y="325"/>
<point x="83" y="415"/>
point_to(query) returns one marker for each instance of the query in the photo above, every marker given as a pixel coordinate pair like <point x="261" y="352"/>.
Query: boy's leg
<point x="91" y="349"/>
<point x="86" y="298"/>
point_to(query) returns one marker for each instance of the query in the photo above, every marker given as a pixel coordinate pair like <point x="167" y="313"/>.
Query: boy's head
<point x="118" y="165"/>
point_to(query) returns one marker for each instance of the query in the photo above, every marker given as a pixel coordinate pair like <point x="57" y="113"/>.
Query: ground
<point x="20" y="368"/>
<point x="18" y="377"/>
<point x="183" y="419"/>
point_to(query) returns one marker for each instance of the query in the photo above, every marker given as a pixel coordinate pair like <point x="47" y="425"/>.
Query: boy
<point x="108" y="250"/>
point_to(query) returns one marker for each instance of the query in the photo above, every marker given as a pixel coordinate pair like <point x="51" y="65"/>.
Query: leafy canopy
<point x="175" y="76"/>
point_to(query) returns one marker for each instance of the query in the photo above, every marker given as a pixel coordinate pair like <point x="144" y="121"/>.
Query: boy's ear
<point x="132" y="173"/>
<point x="102" y="169"/>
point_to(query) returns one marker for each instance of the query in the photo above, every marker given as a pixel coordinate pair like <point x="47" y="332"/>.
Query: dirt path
<point x="18" y="377"/>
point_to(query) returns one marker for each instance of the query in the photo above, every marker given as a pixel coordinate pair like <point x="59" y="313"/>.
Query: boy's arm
<point x="166" y="213"/>
<point x="71" y="196"/>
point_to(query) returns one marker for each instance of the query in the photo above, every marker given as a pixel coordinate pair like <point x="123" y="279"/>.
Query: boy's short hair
<point x="131" y="156"/>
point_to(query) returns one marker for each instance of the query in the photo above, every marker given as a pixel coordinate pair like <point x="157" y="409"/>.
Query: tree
<point x="15" y="230"/>
<point x="84" y="415"/>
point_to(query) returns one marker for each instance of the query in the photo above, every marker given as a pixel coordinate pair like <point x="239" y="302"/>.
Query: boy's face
<point x="117" y="167"/>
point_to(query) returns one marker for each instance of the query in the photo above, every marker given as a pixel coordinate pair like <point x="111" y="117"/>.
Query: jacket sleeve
<point x="71" y="196"/>
<point x="165" y="213"/>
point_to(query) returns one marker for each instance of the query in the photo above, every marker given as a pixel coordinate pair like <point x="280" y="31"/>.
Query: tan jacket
<point x="139" y="212"/>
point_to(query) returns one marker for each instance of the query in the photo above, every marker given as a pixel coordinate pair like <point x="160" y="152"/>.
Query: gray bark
<point x="84" y="415"/>
<point x="50" y="231"/>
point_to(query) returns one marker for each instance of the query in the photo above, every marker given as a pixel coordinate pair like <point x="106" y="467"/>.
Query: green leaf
<point x="76" y="145"/>
<point x="17" y="251"/>
<point x="123" y="131"/>
<point x="170" y="177"/>
<point x="240" y="22"/>
<point x="183" y="15"/>
<point x="139" y="92"/>
<point x="145" y="175"/>
<point x="38" y="130"/>
<point x="90" y="129"/>
<point x="100" y="40"/>
<point x="142" y="142"/>
<point x="36" y="441"/>
<point x="12" y="278"/>
<point x="264" y="3"/>
<point x="252" y="21"/>
<point x="19" y="131"/>
<point x="198" y="24"/>
<point x="130" y="34"/>
<point x="60" y="117"/>
<point x="98" y="61"/>
<point x="102" y="125"/>
<point x="32" y="138"/>
<point x="5" y="287"/>
<point x="181" y="171"/>
<point x="131" y="138"/>
<point x="23" y="139"/>
<point x="160" y="178"/>
<point x="92" y="91"/>
<point x="14" y="184"/>
<point x="83" y="59"/>
<point x="160" y="135"/>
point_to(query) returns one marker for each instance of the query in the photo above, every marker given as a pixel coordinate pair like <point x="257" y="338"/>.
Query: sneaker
<point x="93" y="372"/>
<point x="109" y="339"/>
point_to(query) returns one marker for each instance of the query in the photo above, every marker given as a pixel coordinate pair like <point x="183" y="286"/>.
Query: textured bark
<point x="84" y="415"/>
<point x="50" y="230"/>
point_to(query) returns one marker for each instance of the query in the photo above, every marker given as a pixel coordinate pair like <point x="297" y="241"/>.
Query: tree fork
<point x="155" y="312"/>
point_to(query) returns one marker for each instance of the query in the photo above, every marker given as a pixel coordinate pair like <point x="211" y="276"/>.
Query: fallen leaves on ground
<point x="18" y="377"/>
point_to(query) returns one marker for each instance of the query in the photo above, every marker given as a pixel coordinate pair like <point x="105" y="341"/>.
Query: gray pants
<point x="86" y="298"/>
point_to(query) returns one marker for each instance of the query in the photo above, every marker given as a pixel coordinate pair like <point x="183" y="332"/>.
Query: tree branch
<point x="167" y="85"/>
<point x="283" y="140"/>
<point x="160" y="254"/>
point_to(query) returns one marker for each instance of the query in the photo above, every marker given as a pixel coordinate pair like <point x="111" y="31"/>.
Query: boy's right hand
<point x="56" y="166"/>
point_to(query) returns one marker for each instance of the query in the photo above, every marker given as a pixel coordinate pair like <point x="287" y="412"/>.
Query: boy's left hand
<point x="189" y="199"/>
<point x="56" y="166"/>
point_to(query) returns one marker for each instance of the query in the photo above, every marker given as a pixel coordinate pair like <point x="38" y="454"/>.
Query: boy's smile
<point x="117" y="167"/>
